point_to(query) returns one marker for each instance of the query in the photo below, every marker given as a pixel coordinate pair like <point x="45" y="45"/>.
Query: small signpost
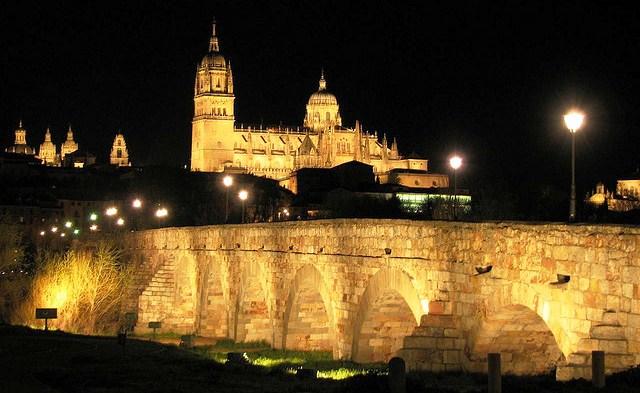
<point x="46" y="314"/>
<point x="154" y="325"/>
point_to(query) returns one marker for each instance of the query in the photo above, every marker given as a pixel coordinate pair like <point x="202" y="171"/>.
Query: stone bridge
<point x="370" y="289"/>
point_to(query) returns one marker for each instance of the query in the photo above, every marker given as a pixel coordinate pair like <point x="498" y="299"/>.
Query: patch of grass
<point x="230" y="345"/>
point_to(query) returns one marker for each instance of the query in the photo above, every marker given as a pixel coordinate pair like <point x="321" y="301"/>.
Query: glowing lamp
<point x="120" y="221"/>
<point x="455" y="162"/>
<point x="68" y="224"/>
<point x="111" y="211"/>
<point x="227" y="181"/>
<point x="573" y="120"/>
<point x="93" y="216"/>
<point x="243" y="195"/>
<point x="162" y="212"/>
<point x="54" y="229"/>
<point x="93" y="227"/>
<point x="42" y="233"/>
<point x="136" y="204"/>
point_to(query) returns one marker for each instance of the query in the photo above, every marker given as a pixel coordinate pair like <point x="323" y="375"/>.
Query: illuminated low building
<point x="625" y="198"/>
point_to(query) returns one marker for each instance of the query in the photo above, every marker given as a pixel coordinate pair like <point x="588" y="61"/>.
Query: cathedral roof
<point x="322" y="96"/>
<point x="20" y="149"/>
<point x="307" y="147"/>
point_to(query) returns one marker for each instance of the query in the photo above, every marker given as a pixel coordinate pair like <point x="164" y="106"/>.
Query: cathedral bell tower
<point x="213" y="118"/>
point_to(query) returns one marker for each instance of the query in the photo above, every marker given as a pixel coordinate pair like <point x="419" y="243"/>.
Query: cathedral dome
<point x="213" y="59"/>
<point x="20" y="145"/>
<point x="322" y="96"/>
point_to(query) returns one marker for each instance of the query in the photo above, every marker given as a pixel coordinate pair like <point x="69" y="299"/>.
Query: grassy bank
<point x="36" y="361"/>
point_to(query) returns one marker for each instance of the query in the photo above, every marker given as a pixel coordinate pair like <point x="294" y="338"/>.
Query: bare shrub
<point x="86" y="286"/>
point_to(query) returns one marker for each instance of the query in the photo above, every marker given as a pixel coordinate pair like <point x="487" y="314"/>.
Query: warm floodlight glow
<point x="42" y="233"/>
<point x="76" y="231"/>
<point x="93" y="227"/>
<point x="573" y="120"/>
<point x="68" y="224"/>
<point x="120" y="221"/>
<point x="227" y="181"/>
<point x="112" y="211"/>
<point x="63" y="234"/>
<point x="60" y="297"/>
<point x="162" y="212"/>
<point x="425" y="306"/>
<point x="455" y="162"/>
<point x="93" y="216"/>
<point x="243" y="195"/>
<point x="137" y="203"/>
<point x="54" y="229"/>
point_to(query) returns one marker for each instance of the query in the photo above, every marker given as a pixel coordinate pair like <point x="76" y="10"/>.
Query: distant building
<point x="69" y="146"/>
<point x="78" y="159"/>
<point x="119" y="154"/>
<point x="625" y="198"/>
<point x="47" y="152"/>
<point x="20" y="144"/>
<point x="276" y="152"/>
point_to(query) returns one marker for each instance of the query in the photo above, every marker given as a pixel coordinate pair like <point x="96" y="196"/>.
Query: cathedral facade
<point x="275" y="152"/>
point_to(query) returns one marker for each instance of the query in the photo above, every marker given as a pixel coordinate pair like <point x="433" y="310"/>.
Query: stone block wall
<point x="386" y="284"/>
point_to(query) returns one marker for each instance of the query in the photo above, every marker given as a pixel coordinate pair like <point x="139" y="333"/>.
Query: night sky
<point x="490" y="80"/>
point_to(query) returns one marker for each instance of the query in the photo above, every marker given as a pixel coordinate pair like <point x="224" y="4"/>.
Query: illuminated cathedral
<point x="275" y="152"/>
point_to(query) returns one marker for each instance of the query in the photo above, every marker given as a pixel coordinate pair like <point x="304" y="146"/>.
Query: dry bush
<point x="86" y="286"/>
<point x="12" y="254"/>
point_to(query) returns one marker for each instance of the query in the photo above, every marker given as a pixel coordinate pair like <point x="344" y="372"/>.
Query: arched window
<point x="328" y="116"/>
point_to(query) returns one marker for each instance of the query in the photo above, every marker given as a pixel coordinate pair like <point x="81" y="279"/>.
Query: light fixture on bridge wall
<point x="387" y="251"/>
<point x="291" y="247"/>
<point x="562" y="279"/>
<point x="320" y="250"/>
<point x="484" y="269"/>
<point x="237" y="245"/>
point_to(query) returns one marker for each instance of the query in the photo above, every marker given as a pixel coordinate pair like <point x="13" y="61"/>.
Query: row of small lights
<point x="161" y="212"/>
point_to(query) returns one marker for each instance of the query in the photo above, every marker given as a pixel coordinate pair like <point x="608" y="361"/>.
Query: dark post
<point x="495" y="377"/>
<point x="397" y="376"/>
<point x="597" y="369"/>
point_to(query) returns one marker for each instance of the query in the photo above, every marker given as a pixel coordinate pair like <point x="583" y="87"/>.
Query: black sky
<point x="490" y="79"/>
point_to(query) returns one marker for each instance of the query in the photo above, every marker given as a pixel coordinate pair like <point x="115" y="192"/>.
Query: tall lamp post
<point x="228" y="182"/>
<point x="573" y="120"/>
<point x="243" y="197"/>
<point x="456" y="163"/>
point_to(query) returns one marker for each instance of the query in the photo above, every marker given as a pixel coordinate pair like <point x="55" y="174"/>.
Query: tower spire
<point x="323" y="82"/>
<point x="213" y="41"/>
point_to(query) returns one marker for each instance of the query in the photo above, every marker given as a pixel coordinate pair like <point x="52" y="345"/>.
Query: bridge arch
<point x="252" y="316"/>
<point x="389" y="310"/>
<point x="522" y="337"/>
<point x="309" y="316"/>
<point x="213" y="308"/>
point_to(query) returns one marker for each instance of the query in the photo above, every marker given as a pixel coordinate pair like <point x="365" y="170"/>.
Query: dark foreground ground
<point x="35" y="361"/>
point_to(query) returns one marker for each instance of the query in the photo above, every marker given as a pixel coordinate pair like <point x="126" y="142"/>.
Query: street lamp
<point x="136" y="204"/>
<point x="243" y="197"/>
<point x="573" y="120"/>
<point x="456" y="163"/>
<point x="227" y="181"/>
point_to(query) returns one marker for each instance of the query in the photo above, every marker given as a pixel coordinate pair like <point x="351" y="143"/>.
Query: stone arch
<point x="214" y="300"/>
<point x="184" y="297"/>
<point x="309" y="317"/>
<point x="252" y="317"/>
<point x="522" y="337"/>
<point x="389" y="310"/>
